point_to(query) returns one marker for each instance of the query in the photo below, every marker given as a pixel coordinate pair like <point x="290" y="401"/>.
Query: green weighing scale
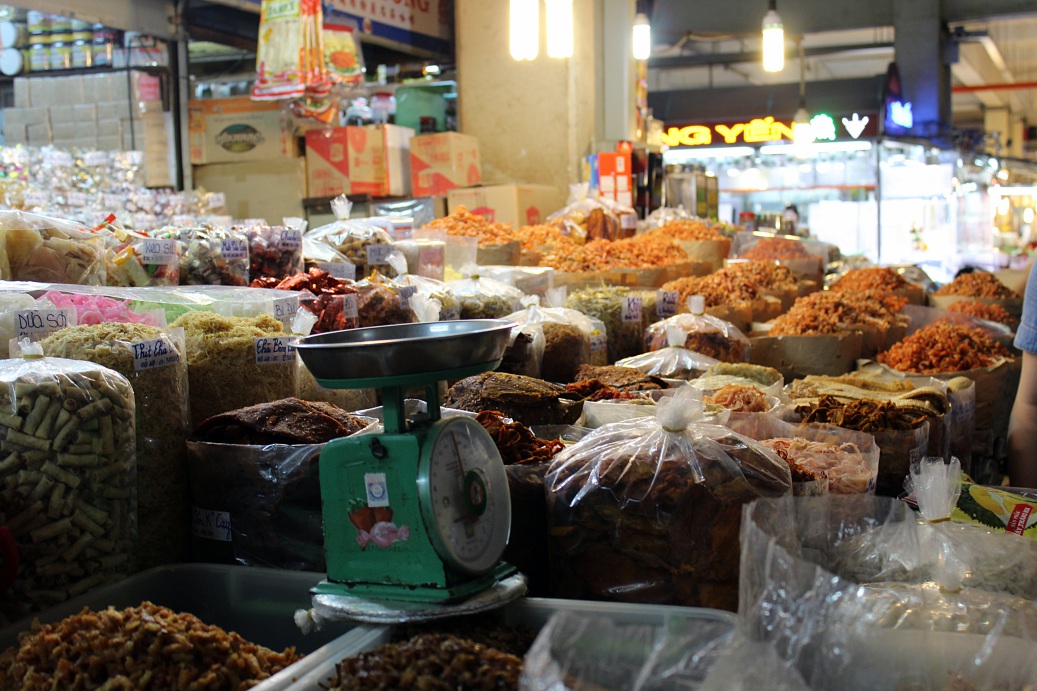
<point x="416" y="518"/>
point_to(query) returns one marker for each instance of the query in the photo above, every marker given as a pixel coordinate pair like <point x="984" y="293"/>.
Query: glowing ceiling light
<point x="559" y="28"/>
<point x="642" y="37"/>
<point x="773" y="40"/>
<point x="524" y="31"/>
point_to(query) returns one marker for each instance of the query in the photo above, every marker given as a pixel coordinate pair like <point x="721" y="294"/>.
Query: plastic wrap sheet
<point x="584" y="651"/>
<point x="364" y="244"/>
<point x="594" y="218"/>
<point x="672" y="362"/>
<point x="485" y="298"/>
<point x="647" y="510"/>
<point x="703" y="334"/>
<point x="154" y="361"/>
<point x="568" y="335"/>
<point x="67" y="479"/>
<point x="620" y="310"/>
<point x="39" y="248"/>
<point x="213" y="256"/>
<point x="274" y="251"/>
<point x="843" y="588"/>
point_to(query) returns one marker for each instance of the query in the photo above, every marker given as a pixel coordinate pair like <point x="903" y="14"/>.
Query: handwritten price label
<point x="234" y="248"/>
<point x="342" y="270"/>
<point x="160" y="252"/>
<point x="217" y="200"/>
<point x="274" y="351"/>
<point x="291" y="239"/>
<point x="95" y="158"/>
<point x="378" y="254"/>
<point x="154" y="353"/>
<point x="35" y="324"/>
<point x="666" y="302"/>
<point x="631" y="310"/>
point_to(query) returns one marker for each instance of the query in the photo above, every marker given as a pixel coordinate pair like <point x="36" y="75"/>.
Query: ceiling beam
<point x="704" y="59"/>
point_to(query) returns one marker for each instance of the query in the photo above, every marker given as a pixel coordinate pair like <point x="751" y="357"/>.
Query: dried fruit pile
<point x="942" y="347"/>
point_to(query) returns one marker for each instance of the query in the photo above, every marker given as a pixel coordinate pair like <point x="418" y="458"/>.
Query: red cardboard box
<point x="379" y="160"/>
<point x="443" y="161"/>
<point x="519" y="205"/>
<point x="614" y="177"/>
<point x="327" y="162"/>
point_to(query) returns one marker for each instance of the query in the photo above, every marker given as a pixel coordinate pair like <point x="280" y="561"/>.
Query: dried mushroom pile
<point x="139" y="647"/>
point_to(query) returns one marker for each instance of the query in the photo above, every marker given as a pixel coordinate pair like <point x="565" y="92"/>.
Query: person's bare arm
<point x="1022" y="428"/>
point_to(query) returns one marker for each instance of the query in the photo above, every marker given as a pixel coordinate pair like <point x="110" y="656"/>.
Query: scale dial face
<point x="464" y="497"/>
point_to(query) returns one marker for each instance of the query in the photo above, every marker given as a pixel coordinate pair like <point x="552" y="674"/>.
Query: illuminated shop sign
<point x="824" y="128"/>
<point x="898" y="116"/>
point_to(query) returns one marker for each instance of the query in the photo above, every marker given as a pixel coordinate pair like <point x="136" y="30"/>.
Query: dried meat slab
<point x="523" y="399"/>
<point x="623" y="378"/>
<point x="287" y="421"/>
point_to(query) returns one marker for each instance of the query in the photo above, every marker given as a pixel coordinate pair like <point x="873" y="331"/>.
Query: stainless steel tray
<point x="404" y="349"/>
<point x="534" y="613"/>
<point x="257" y="603"/>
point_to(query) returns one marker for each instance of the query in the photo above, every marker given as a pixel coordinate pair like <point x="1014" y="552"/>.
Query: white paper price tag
<point x="160" y="252"/>
<point x="210" y="525"/>
<point x="113" y="201"/>
<point x="406" y="293"/>
<point x="342" y="270"/>
<point x="628" y="221"/>
<point x="599" y="343"/>
<point x="95" y="158"/>
<point x="378" y="254"/>
<point x="285" y="308"/>
<point x="234" y="248"/>
<point x="76" y="199"/>
<point x="666" y="302"/>
<point x="62" y="159"/>
<point x="35" y="324"/>
<point x="36" y="199"/>
<point x="631" y="309"/>
<point x="154" y="353"/>
<point x="274" y="351"/>
<point x="350" y="308"/>
<point x="290" y="239"/>
<point x="217" y="200"/>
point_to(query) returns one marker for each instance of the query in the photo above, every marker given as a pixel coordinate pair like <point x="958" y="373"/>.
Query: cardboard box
<point x="519" y="205"/>
<point x="109" y="144"/>
<point x="62" y="114"/>
<point x="327" y="162"/>
<point x="271" y="190"/>
<point x="85" y="129"/>
<point x="38" y="133"/>
<point x="111" y="110"/>
<point x="22" y="96"/>
<point x="379" y="160"/>
<point x="85" y="112"/>
<point x="231" y="130"/>
<point x="109" y="128"/>
<point x="37" y="90"/>
<point x="443" y="161"/>
<point x="614" y="177"/>
<point x="35" y="115"/>
<point x="63" y="131"/>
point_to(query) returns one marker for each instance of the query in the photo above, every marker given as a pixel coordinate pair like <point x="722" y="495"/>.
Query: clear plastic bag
<point x="620" y="310"/>
<point x="50" y="250"/>
<point x="380" y="301"/>
<point x="692" y="650"/>
<point x="703" y="334"/>
<point x="213" y="256"/>
<point x="364" y="244"/>
<point x="274" y="251"/>
<point x="68" y="479"/>
<point x="568" y="337"/>
<point x="647" y="510"/>
<point x="135" y="260"/>
<point x="672" y="362"/>
<point x="485" y="298"/>
<point x="844" y="588"/>
<point x="767" y="379"/>
<point x="154" y="362"/>
<point x="596" y="217"/>
<point x="525" y="352"/>
<point x="449" y="308"/>
<point x="846" y="461"/>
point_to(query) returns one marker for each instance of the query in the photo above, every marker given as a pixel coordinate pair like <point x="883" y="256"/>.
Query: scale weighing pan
<point x="405" y="354"/>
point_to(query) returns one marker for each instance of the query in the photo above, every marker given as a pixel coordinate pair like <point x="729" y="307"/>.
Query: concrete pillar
<point x="919" y="44"/>
<point x="1017" y="149"/>
<point x="997" y="123"/>
<point x="535" y="120"/>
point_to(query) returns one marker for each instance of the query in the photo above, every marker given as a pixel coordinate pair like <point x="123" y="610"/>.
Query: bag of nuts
<point x="67" y="478"/>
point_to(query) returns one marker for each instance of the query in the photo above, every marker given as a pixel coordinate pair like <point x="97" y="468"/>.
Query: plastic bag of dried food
<point x="449" y="309"/>
<point x="233" y="362"/>
<point x="703" y="334"/>
<point x="273" y="251"/>
<point x="485" y="298"/>
<point x="18" y="314"/>
<point x="213" y="256"/>
<point x="620" y="310"/>
<point x="290" y="58"/>
<point x="135" y="260"/>
<point x="568" y="336"/>
<point x="859" y="592"/>
<point x="365" y="245"/>
<point x="154" y="362"/>
<point x="673" y="361"/>
<point x="699" y="650"/>
<point x="647" y="510"/>
<point x="841" y="461"/>
<point x="595" y="217"/>
<point x="39" y="248"/>
<point x="525" y="352"/>
<point x="380" y="301"/>
<point x="767" y="379"/>
<point x="259" y="504"/>
<point x="67" y="479"/>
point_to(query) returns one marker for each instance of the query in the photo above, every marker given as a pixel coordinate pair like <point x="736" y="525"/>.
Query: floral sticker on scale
<point x="373" y="517"/>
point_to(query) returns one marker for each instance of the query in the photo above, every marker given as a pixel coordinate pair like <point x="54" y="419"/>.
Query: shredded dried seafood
<point x="873" y="278"/>
<point x="978" y="284"/>
<point x="464" y="223"/>
<point x="771" y="249"/>
<point x="545" y="235"/>
<point x="429" y="661"/>
<point x="739" y="398"/>
<point x="942" y="347"/>
<point x="140" y="647"/>
<point x="828" y="312"/>
<point x="765" y="276"/>
<point x="842" y="464"/>
<point x="719" y="288"/>
<point x="864" y="415"/>
<point x="638" y="252"/>
<point x="515" y="441"/>
<point x="981" y="310"/>
<point x="691" y="229"/>
<point x="596" y="390"/>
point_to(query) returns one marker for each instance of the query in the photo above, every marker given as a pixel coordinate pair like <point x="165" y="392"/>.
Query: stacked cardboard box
<point x="111" y="112"/>
<point x="374" y="160"/>
<point x="246" y="150"/>
<point x="443" y="161"/>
